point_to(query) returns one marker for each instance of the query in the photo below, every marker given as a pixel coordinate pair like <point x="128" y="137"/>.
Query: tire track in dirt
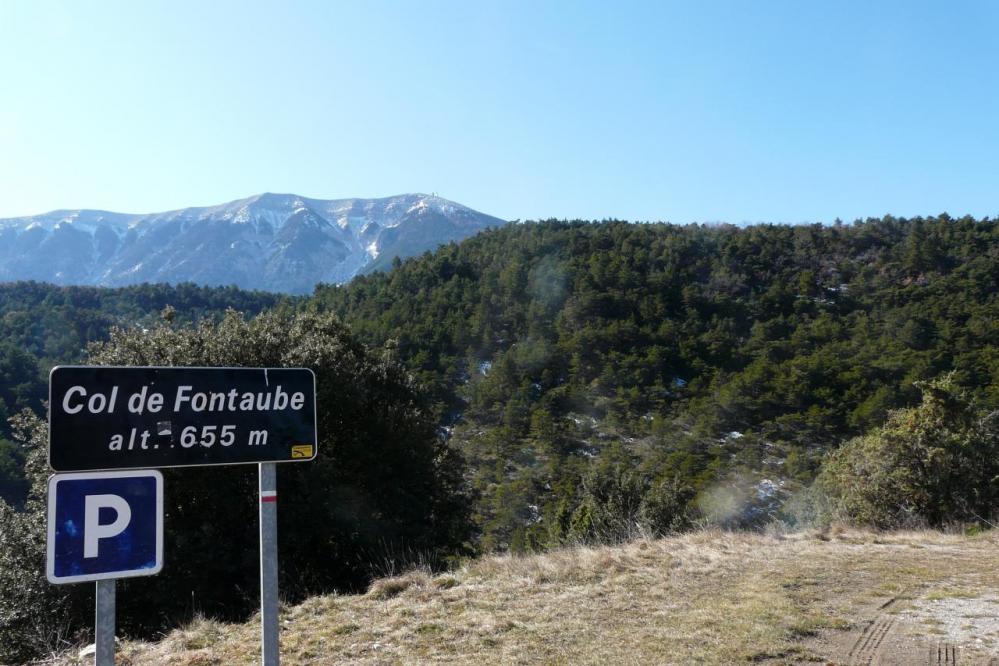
<point x="943" y="654"/>
<point x="868" y="645"/>
<point x="881" y="642"/>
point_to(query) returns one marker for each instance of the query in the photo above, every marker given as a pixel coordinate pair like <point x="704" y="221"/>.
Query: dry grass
<point x="709" y="598"/>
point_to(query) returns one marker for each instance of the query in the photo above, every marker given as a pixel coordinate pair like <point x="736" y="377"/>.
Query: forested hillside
<point x="586" y="365"/>
<point x="593" y="370"/>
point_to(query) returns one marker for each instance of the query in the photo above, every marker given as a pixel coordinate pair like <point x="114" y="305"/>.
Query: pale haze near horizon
<point x="722" y="111"/>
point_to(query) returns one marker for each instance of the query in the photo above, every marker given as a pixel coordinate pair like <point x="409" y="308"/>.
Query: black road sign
<point x="103" y="418"/>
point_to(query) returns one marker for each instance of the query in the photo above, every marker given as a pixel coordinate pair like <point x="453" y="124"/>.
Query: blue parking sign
<point x="104" y="525"/>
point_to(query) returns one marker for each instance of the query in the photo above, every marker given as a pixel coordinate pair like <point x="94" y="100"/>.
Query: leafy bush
<point x="619" y="503"/>
<point x="931" y="464"/>
<point x="665" y="508"/>
<point x="35" y="616"/>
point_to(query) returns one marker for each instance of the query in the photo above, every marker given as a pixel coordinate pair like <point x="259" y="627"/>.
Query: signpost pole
<point x="268" y="565"/>
<point x="104" y="640"/>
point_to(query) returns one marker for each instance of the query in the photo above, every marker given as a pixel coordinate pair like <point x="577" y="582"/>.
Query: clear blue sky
<point x="696" y="111"/>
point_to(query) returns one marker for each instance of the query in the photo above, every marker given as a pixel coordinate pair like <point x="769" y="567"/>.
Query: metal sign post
<point x="105" y="611"/>
<point x="269" y="639"/>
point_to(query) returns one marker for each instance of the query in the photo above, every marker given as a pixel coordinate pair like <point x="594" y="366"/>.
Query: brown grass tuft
<point x="386" y="588"/>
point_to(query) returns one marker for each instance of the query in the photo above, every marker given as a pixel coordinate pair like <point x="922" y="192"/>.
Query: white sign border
<point x="50" y="530"/>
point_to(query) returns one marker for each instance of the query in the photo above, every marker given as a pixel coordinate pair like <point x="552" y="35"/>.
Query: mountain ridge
<point x="269" y="241"/>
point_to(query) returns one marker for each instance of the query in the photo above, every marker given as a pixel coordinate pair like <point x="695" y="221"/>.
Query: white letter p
<point x="93" y="531"/>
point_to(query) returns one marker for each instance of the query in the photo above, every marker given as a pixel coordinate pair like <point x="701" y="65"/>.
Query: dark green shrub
<point x="929" y="465"/>
<point x="666" y="507"/>
<point x="618" y="503"/>
<point x="35" y="616"/>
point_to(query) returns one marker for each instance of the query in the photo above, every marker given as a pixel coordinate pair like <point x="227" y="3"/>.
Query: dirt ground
<point x="949" y="618"/>
<point x="923" y="631"/>
<point x="837" y="598"/>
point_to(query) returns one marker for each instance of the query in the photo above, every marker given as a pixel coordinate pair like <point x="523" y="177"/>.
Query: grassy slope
<point x="708" y="597"/>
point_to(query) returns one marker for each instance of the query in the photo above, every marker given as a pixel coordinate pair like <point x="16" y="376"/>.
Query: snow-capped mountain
<point x="276" y="242"/>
